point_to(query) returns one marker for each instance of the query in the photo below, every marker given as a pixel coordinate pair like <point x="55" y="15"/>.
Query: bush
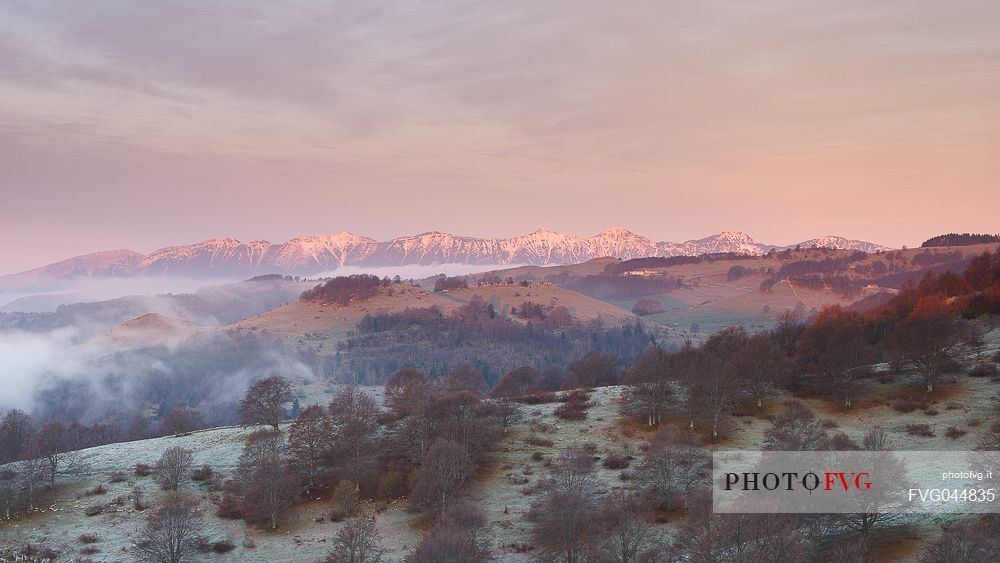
<point x="89" y="550"/>
<point x="117" y="477"/>
<point x="616" y="461"/>
<point x="575" y="407"/>
<point x="98" y="490"/>
<point x="931" y="411"/>
<point x="87" y="538"/>
<point x="537" y="456"/>
<point x="955" y="433"/>
<point x="984" y="370"/>
<point x="202" y="473"/>
<point x="143" y="470"/>
<point x="93" y="510"/>
<point x="919" y="430"/>
<point x="539" y="441"/>
<point x="907" y="405"/>
<point x="223" y="546"/>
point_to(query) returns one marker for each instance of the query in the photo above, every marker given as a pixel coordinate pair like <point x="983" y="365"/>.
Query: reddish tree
<point x="265" y="400"/>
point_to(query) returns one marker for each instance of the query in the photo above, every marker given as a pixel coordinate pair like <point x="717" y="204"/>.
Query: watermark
<point x="843" y="482"/>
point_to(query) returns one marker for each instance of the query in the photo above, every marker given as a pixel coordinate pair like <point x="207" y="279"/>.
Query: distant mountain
<point x="312" y="255"/>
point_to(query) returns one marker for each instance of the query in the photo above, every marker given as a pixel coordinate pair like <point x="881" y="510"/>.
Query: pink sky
<point x="140" y="125"/>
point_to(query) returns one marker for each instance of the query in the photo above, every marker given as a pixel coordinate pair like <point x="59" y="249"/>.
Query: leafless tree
<point x="743" y="538"/>
<point x="564" y="518"/>
<point x="595" y="369"/>
<point x="311" y="441"/>
<point x="887" y="503"/>
<point x="759" y="364"/>
<point x="180" y="420"/>
<point x="15" y="435"/>
<point x="627" y="537"/>
<point x="795" y="429"/>
<point x="33" y="475"/>
<point x="928" y="338"/>
<point x="171" y="532"/>
<point x="346" y="500"/>
<point x="673" y="468"/>
<point x="264" y="402"/>
<point x="508" y="413"/>
<point x="9" y="490"/>
<point x="967" y="541"/>
<point x="446" y="466"/>
<point x="834" y="348"/>
<point x="355" y="418"/>
<point x="463" y="378"/>
<point x="268" y="484"/>
<point x="357" y="542"/>
<point x="173" y="469"/>
<point x="406" y="392"/>
<point x="650" y="386"/>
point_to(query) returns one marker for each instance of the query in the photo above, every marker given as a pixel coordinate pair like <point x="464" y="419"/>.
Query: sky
<point x="144" y="124"/>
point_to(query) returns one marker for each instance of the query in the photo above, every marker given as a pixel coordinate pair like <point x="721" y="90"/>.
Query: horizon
<point x="381" y="240"/>
<point x="140" y="128"/>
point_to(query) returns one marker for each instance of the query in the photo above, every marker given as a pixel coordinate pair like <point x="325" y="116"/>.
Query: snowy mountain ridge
<point x="315" y="254"/>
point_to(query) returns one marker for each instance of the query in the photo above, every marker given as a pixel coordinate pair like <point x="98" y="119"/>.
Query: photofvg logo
<point x="855" y="481"/>
<point x="810" y="481"/>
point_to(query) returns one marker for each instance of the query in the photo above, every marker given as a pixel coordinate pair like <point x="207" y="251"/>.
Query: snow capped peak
<point x="314" y="254"/>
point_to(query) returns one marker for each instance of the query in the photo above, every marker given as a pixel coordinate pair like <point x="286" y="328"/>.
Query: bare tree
<point x="627" y="537"/>
<point x="651" y="386"/>
<point x="264" y="402"/>
<point x="267" y="482"/>
<point x="9" y="490"/>
<point x="508" y="413"/>
<point x="967" y="541"/>
<point x="795" y="429"/>
<point x="834" y="348"/>
<point x="171" y="532"/>
<point x="564" y="518"/>
<point x="15" y="435"/>
<point x="759" y="364"/>
<point x="355" y="417"/>
<point x="743" y="538"/>
<point x="928" y="338"/>
<point x="446" y="466"/>
<point x="181" y="420"/>
<point x="673" y="468"/>
<point x="406" y="392"/>
<point x="173" y="469"/>
<point x="357" y="542"/>
<point x="33" y="474"/>
<point x="310" y="441"/>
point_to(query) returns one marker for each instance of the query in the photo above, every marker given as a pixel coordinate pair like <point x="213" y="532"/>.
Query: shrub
<point x="575" y="407"/>
<point x="143" y="470"/>
<point x="539" y="441"/>
<point x="537" y="456"/>
<point x="87" y="538"/>
<point x="202" y="473"/>
<point x="955" y="433"/>
<point x="919" y="430"/>
<point x="931" y="411"/>
<point x="93" y="510"/>
<point x="89" y="550"/>
<point x="223" y="546"/>
<point x="984" y="370"/>
<point x="98" y="490"/>
<point x="117" y="477"/>
<point x="906" y="405"/>
<point x="616" y="461"/>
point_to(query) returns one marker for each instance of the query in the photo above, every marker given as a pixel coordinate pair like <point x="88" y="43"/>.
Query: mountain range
<point x="317" y="254"/>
